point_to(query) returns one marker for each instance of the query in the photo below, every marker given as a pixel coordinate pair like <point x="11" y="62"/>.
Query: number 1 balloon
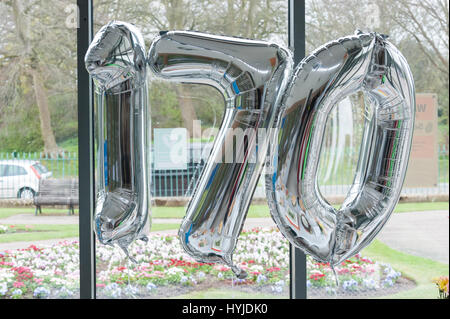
<point x="116" y="60"/>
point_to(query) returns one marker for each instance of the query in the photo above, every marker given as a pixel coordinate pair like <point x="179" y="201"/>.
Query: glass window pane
<point x="38" y="140"/>
<point x="164" y="269"/>
<point x="388" y="267"/>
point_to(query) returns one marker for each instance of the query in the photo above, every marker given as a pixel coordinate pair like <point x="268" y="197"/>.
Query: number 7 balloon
<point x="252" y="76"/>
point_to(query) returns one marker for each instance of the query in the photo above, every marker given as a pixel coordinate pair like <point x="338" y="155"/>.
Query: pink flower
<point x="221" y="268"/>
<point x="18" y="284"/>
<point x="244" y="267"/>
<point x="6" y="263"/>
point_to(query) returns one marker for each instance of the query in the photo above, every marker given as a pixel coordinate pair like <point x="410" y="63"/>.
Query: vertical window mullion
<point x="85" y="154"/>
<point x="296" y="34"/>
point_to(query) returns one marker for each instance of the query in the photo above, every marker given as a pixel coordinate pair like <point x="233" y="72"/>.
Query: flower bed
<point x="9" y="229"/>
<point x="164" y="270"/>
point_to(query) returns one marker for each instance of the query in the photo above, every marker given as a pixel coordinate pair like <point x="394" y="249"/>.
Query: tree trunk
<point x="187" y="109"/>
<point x="50" y="145"/>
<point x="229" y="26"/>
<point x="250" y="18"/>
<point x="23" y="33"/>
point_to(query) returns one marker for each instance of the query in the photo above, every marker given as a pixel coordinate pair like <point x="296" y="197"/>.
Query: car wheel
<point x="26" y="193"/>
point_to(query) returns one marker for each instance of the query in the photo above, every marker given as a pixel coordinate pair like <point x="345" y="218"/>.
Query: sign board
<point x="170" y="148"/>
<point x="423" y="161"/>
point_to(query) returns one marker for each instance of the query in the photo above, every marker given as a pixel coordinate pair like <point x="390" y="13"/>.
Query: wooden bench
<point x="57" y="192"/>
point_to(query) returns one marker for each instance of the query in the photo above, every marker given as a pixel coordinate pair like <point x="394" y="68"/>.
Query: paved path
<point x="423" y="234"/>
<point x="29" y="219"/>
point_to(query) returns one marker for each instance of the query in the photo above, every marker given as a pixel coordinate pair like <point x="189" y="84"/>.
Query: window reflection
<point x="163" y="269"/>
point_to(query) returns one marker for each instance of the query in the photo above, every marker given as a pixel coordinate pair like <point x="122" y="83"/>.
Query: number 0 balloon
<point x="364" y="63"/>
<point x="274" y="115"/>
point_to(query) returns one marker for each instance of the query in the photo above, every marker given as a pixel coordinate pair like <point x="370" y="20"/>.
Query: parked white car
<point x="20" y="178"/>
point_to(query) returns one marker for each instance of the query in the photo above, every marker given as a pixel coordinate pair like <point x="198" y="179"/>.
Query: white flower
<point x="17" y="292"/>
<point x="183" y="279"/>
<point x="3" y="289"/>
<point x="277" y="289"/>
<point x="113" y="290"/>
<point x="63" y="292"/>
<point x="370" y="283"/>
<point x="174" y="271"/>
<point x="3" y="229"/>
<point x="131" y="290"/>
<point x="151" y="286"/>
<point x="201" y="274"/>
<point x="349" y="284"/>
<point x="261" y="278"/>
<point x="41" y="292"/>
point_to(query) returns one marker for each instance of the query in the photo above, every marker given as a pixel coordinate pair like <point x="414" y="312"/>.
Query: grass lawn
<point x="418" y="207"/>
<point x="255" y="211"/>
<point x="421" y="270"/>
<point x="39" y="232"/>
<point x="6" y="212"/>
<point x="179" y="212"/>
<point x="43" y="232"/>
<point x="70" y="145"/>
<point x="261" y="211"/>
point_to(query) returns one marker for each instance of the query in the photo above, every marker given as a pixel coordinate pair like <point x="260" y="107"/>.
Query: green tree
<point x="38" y="52"/>
<point x="419" y="28"/>
<point x="256" y="19"/>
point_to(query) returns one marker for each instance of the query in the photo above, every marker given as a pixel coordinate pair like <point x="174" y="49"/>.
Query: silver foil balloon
<point x="364" y="63"/>
<point x="252" y="76"/>
<point x="116" y="59"/>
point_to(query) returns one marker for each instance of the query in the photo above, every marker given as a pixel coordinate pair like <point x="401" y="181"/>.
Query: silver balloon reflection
<point x="252" y="76"/>
<point x="116" y="60"/>
<point x="370" y="65"/>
